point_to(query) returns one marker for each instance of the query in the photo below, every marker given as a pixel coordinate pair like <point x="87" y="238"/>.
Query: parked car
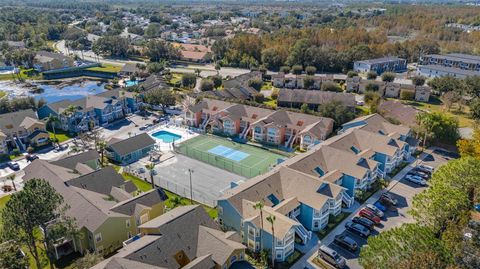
<point x="14" y="166"/>
<point x="424" y="167"/>
<point x="415" y="179"/>
<point x="346" y="242"/>
<point x="141" y="170"/>
<point x="366" y="213"/>
<point x="357" y="229"/>
<point x="387" y="199"/>
<point x="31" y="158"/>
<point x="419" y="174"/>
<point x="331" y="256"/>
<point x="375" y="210"/>
<point x="380" y="206"/>
<point x="365" y="222"/>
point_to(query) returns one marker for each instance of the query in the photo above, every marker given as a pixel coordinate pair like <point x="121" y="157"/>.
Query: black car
<point x="31" y="158"/>
<point x="423" y="170"/>
<point x="346" y="242"/>
<point x="14" y="166"/>
<point x="357" y="229"/>
<point x="388" y="199"/>
<point x="365" y="222"/>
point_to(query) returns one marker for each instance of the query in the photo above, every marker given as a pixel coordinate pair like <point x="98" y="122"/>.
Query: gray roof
<point x="381" y="60"/>
<point x="72" y="161"/>
<point x="12" y="122"/>
<point x="130" y="67"/>
<point x="122" y="263"/>
<point x="146" y="199"/>
<point x="100" y="181"/>
<point x="315" y="97"/>
<point x="88" y="103"/>
<point x="132" y="144"/>
<point x="154" y="82"/>
<point x="448" y="69"/>
<point x="46" y="55"/>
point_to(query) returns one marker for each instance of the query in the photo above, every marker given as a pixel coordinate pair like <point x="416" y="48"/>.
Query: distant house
<point x="314" y="99"/>
<point x="454" y="64"/>
<point x="353" y="84"/>
<point x="380" y="65"/>
<point x="292" y="81"/>
<point x="275" y="127"/>
<point x="185" y="237"/>
<point x="103" y="204"/>
<point x="236" y="88"/>
<point x="154" y="81"/>
<point x="399" y="112"/>
<point x="194" y="53"/>
<point x="94" y="110"/>
<point x="46" y="61"/>
<point x="130" y="150"/>
<point x="422" y="93"/>
<point x="21" y="129"/>
<point x="129" y="69"/>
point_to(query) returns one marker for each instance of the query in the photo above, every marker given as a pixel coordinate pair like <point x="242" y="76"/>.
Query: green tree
<point x="446" y="84"/>
<point x="206" y="85"/>
<point x="256" y="83"/>
<point x="88" y="260"/>
<point x="438" y="126"/>
<point x="285" y="69"/>
<point x="304" y="108"/>
<point x="418" y="80"/>
<point x="160" y="97"/>
<point x="176" y="201"/>
<point x="52" y="120"/>
<point x="217" y="81"/>
<point x="330" y="86"/>
<point x="310" y="70"/>
<point x="308" y="82"/>
<point x="352" y="74"/>
<point x="159" y="50"/>
<point x="101" y="146"/>
<point x="297" y="55"/>
<point x="259" y="98"/>
<point x="371" y="87"/>
<point x="151" y="168"/>
<point x="189" y="80"/>
<point x="11" y="256"/>
<point x="336" y="111"/>
<point x="393" y="247"/>
<point x="297" y="70"/>
<point x="272" y="59"/>
<point x="259" y="206"/>
<point x="470" y="147"/>
<point x="372" y="75"/>
<point x="112" y="46"/>
<point x="271" y="219"/>
<point x="36" y="206"/>
<point x="156" y="67"/>
<point x="473" y="86"/>
<point x="388" y="77"/>
<point x="372" y="99"/>
<point x="475" y="109"/>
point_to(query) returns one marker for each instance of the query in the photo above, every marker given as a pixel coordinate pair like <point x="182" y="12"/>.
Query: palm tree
<point x="12" y="178"/>
<point x="271" y="219"/>
<point x="150" y="167"/>
<point x="101" y="146"/>
<point x="259" y="206"/>
<point x="52" y="120"/>
<point x="176" y="201"/>
<point x="426" y="124"/>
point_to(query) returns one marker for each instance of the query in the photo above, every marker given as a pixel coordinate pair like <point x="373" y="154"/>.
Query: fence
<point x="202" y="198"/>
<point x="78" y="71"/>
<point x="219" y="161"/>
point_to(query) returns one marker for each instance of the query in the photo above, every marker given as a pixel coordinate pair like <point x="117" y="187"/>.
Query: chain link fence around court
<point x="199" y="197"/>
<point x="219" y="161"/>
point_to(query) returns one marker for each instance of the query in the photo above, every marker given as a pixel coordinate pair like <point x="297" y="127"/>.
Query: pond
<point x="55" y="93"/>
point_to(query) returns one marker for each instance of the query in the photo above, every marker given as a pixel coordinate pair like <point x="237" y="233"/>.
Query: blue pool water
<point x="130" y="83"/>
<point x="232" y="154"/>
<point x="53" y="94"/>
<point x="166" y="136"/>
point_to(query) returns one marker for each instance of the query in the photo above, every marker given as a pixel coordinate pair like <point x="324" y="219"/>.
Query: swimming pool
<point x="130" y="83"/>
<point x="166" y="136"/>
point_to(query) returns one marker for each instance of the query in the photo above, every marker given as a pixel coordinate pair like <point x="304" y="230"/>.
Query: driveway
<point x="401" y="190"/>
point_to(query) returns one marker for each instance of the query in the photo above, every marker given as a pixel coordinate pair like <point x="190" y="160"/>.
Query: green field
<point x="257" y="161"/>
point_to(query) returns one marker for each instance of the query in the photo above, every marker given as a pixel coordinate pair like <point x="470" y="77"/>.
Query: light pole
<point x="190" y="171"/>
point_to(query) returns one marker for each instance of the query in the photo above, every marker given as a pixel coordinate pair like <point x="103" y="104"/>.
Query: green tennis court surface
<point x="242" y="159"/>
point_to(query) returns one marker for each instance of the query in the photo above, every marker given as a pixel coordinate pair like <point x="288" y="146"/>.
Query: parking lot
<point x="400" y="189"/>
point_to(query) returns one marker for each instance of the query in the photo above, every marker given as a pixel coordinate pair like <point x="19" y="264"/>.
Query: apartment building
<point x="94" y="110"/>
<point x="275" y="127"/>
<point x="185" y="237"/>
<point x="107" y="210"/>
<point x="381" y="65"/>
<point x="314" y="99"/>
<point x="46" y="61"/>
<point x="454" y="64"/>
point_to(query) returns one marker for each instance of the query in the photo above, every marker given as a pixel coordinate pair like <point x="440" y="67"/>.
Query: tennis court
<point x="241" y="159"/>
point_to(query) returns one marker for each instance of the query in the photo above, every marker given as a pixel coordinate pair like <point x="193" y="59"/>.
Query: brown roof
<point x="405" y="114"/>
<point x="315" y="97"/>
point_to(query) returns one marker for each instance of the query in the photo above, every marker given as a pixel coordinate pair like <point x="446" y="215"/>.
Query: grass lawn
<point x="176" y="78"/>
<point x="110" y="68"/>
<point x="145" y="186"/>
<point x="332" y="223"/>
<point x="238" y="158"/>
<point x="60" y="136"/>
<point x="270" y="102"/>
<point x="3" y="202"/>
<point x="436" y="105"/>
<point x="2" y="94"/>
<point x="267" y="86"/>
<point x="24" y="74"/>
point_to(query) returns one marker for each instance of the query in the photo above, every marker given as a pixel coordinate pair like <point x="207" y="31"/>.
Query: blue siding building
<point x="381" y="65"/>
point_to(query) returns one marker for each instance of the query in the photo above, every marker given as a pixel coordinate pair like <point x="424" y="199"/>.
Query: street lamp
<point x="190" y="172"/>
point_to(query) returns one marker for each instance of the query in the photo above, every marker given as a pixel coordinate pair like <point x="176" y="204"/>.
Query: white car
<point x="375" y="210"/>
<point x="426" y="167"/>
<point x="416" y="180"/>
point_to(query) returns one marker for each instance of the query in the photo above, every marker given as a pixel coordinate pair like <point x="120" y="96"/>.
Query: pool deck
<point x="166" y="147"/>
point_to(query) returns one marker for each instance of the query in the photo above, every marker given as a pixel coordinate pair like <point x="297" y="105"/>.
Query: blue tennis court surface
<point x="232" y="154"/>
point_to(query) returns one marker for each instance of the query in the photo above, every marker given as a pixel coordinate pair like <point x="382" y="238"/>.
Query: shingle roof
<point x="72" y="161"/>
<point x="17" y="121"/>
<point x="315" y="97"/>
<point x="132" y="144"/>
<point x="406" y="115"/>
<point x="381" y="60"/>
<point x="100" y="181"/>
<point x="147" y="199"/>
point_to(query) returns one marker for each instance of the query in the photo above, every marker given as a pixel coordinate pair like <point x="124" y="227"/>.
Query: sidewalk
<point x="307" y="259"/>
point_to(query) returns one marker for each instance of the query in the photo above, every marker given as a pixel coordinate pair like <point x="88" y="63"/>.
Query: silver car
<point x="375" y="210"/>
<point x="331" y="256"/>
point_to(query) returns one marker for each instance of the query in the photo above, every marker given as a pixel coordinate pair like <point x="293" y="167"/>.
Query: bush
<point x="274" y="94"/>
<point x="217" y="81"/>
<point x="256" y="83"/>
<point x="388" y="77"/>
<point x="407" y="94"/>
<point x="371" y="87"/>
<point x="285" y="69"/>
<point x="297" y="69"/>
<point x="329" y="86"/>
<point x="418" y="80"/>
<point x="30" y="150"/>
<point x="372" y="75"/>
<point x="206" y="85"/>
<point x="310" y="70"/>
<point x="308" y="82"/>
<point x="352" y="74"/>
<point x="4" y="158"/>
<point x="259" y="98"/>
<point x="16" y="152"/>
<point x="189" y="80"/>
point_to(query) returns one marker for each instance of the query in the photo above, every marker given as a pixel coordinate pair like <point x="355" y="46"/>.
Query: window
<point x="354" y="149"/>
<point x="127" y="222"/>
<point x="98" y="237"/>
<point x="315" y="224"/>
<point x="258" y="129"/>
<point x="220" y="210"/>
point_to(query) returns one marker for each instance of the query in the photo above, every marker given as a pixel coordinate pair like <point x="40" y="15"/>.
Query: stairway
<point x="301" y="231"/>
<point x="204" y="123"/>
<point x="19" y="144"/>
<point x="244" y="133"/>
<point x="347" y="199"/>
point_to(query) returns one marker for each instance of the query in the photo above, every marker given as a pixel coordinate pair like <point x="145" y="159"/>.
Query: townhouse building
<point x="46" y="61"/>
<point x="21" y="129"/>
<point x="94" y="110"/>
<point x="381" y="65"/>
<point x="301" y="203"/>
<point x="126" y="151"/>
<point x="185" y="237"/>
<point x="291" y="81"/>
<point x="275" y="127"/>
<point x="314" y="99"/>
<point x="305" y="191"/>
<point x="454" y="64"/>
<point x="107" y="210"/>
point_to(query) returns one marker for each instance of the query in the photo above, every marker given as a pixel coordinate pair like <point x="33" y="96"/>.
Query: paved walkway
<point x="307" y="259"/>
